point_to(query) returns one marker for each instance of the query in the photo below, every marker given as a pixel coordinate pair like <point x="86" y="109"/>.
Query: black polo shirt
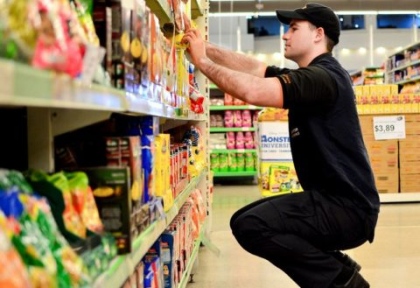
<point x="325" y="136"/>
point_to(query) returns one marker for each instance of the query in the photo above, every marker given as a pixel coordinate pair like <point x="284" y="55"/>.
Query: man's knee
<point x="247" y="230"/>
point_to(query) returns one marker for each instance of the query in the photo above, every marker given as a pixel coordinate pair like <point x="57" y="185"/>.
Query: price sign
<point x="389" y="127"/>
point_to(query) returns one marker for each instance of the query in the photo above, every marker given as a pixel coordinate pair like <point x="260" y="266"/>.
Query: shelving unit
<point x="218" y="110"/>
<point x="403" y="66"/>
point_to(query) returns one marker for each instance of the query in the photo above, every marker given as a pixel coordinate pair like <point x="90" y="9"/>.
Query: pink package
<point x="249" y="141"/>
<point x="230" y="140"/>
<point x="228" y="118"/>
<point x="237" y="118"/>
<point x="239" y="140"/>
<point x="246" y="118"/>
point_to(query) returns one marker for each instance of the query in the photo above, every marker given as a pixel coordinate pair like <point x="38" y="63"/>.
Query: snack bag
<point x="56" y="47"/>
<point x="83" y="201"/>
<point x="14" y="273"/>
<point x="56" y="189"/>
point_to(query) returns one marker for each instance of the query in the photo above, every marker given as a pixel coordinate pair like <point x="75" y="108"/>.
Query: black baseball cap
<point x="318" y="14"/>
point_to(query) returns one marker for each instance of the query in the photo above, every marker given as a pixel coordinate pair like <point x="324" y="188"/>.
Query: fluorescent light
<point x="399" y="12"/>
<point x="362" y="12"/>
<point x="246" y="14"/>
<point x="344" y="12"/>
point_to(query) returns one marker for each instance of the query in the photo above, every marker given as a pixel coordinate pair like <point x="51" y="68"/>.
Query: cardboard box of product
<point x="366" y="124"/>
<point x="410" y="183"/>
<point x="409" y="144"/>
<point x="384" y="160"/>
<point x="386" y="147"/>
<point x="387" y="182"/>
<point x="410" y="156"/>
<point x="410" y="167"/>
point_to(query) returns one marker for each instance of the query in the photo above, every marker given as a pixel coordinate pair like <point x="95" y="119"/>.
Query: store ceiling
<point x="337" y="5"/>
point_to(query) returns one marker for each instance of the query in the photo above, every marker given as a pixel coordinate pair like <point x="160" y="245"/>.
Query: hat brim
<point x="286" y="16"/>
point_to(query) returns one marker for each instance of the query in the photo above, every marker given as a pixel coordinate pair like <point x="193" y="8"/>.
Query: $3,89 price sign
<point x="389" y="127"/>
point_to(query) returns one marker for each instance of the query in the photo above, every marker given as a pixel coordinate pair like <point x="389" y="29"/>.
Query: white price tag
<point x="389" y="127"/>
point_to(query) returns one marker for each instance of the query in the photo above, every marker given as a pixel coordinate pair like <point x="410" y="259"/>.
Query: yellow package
<point x="162" y="170"/>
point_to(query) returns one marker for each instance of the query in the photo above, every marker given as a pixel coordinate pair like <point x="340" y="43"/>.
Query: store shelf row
<point x="219" y="151"/>
<point x="408" y="80"/>
<point x="23" y="85"/>
<point x="404" y="66"/>
<point x="233" y="107"/>
<point x="123" y="266"/>
<point x="231" y="129"/>
<point x="234" y="173"/>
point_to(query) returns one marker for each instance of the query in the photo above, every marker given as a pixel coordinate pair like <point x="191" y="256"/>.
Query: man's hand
<point x="196" y="46"/>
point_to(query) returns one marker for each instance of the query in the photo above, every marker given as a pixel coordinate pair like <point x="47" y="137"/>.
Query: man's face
<point x="299" y="39"/>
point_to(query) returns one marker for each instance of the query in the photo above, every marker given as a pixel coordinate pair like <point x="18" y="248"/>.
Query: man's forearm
<point x="249" y="88"/>
<point x="235" y="61"/>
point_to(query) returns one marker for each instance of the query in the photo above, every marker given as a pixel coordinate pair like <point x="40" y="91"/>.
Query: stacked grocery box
<point x="383" y="156"/>
<point x="410" y="155"/>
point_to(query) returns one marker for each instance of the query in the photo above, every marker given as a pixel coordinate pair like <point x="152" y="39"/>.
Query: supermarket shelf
<point x="412" y="79"/>
<point x="23" y="85"/>
<point x="401" y="67"/>
<point x="161" y="9"/>
<point x="375" y="76"/>
<point x="197" y="243"/>
<point x="196" y="9"/>
<point x="233" y="151"/>
<point x="234" y="173"/>
<point x="186" y="275"/>
<point x="123" y="266"/>
<point x="400" y="197"/>
<point x="231" y="129"/>
<point x="234" y="107"/>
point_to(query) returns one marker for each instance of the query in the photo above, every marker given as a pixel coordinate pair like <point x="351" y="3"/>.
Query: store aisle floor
<point x="392" y="261"/>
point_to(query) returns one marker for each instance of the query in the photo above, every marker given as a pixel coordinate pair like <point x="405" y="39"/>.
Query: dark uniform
<point x="339" y="208"/>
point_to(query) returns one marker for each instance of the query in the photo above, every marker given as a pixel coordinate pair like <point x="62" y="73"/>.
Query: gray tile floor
<point x="392" y="261"/>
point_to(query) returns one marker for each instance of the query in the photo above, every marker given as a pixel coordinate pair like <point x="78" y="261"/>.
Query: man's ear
<point x="320" y="34"/>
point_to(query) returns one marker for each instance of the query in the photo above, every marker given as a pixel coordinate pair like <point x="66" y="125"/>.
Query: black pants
<point x="296" y="231"/>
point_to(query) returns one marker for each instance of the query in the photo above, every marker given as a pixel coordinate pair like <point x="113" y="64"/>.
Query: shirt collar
<point x="320" y="57"/>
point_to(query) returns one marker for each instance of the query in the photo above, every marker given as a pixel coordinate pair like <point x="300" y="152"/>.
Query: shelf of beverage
<point x="123" y="265"/>
<point x="404" y="197"/>
<point x="232" y="129"/>
<point x="233" y="107"/>
<point x="234" y="173"/>
<point x="23" y="85"/>
<point x="220" y="151"/>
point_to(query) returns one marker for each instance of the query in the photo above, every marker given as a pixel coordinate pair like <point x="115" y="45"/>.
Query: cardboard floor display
<point x="277" y="173"/>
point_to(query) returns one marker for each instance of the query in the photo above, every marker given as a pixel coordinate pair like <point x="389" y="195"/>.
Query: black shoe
<point x="356" y="281"/>
<point x="346" y="260"/>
